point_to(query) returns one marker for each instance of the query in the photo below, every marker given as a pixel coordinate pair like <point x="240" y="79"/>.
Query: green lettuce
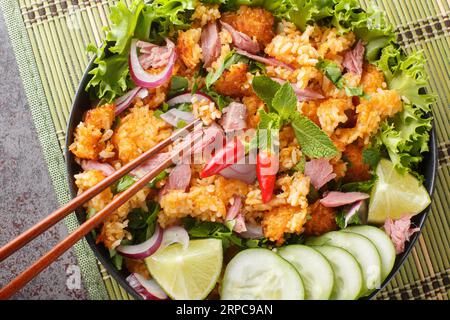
<point x="146" y="21"/>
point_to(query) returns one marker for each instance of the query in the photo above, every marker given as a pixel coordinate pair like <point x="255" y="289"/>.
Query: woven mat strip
<point x="59" y="30"/>
<point x="25" y="50"/>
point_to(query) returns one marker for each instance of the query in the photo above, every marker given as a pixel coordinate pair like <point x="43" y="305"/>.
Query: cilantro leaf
<point x="285" y="101"/>
<point x="265" y="88"/>
<point x="230" y="59"/>
<point x="313" y="141"/>
<point x="332" y="71"/>
<point x="178" y="85"/>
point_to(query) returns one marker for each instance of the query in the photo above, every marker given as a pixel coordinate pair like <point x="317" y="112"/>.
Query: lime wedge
<point x="189" y="274"/>
<point x="395" y="195"/>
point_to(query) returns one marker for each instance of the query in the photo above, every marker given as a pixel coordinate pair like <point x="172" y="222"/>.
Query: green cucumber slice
<point x="314" y="269"/>
<point x="383" y="243"/>
<point x="362" y="249"/>
<point x="348" y="278"/>
<point x="260" y="274"/>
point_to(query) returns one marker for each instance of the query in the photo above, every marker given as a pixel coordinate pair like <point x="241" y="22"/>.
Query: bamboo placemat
<point x="49" y="37"/>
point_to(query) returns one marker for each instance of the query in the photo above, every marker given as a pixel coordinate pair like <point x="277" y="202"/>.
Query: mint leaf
<point x="332" y="71"/>
<point x="231" y="59"/>
<point x="268" y="128"/>
<point x="265" y="88"/>
<point x="371" y="157"/>
<point x="313" y="141"/>
<point x="285" y="101"/>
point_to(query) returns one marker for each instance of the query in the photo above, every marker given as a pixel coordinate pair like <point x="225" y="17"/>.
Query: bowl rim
<point x="429" y="166"/>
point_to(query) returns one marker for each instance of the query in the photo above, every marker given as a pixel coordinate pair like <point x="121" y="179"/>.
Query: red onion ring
<point x="148" y="289"/>
<point x="143" y="78"/>
<point x="175" y="234"/>
<point x="105" y="168"/>
<point x="174" y="116"/>
<point x="187" y="98"/>
<point x="144" y="249"/>
<point x="124" y="101"/>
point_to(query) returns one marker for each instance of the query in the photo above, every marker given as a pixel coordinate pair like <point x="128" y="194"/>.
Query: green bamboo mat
<point x="49" y="37"/>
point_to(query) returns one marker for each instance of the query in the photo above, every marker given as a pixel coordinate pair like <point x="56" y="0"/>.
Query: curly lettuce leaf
<point x="304" y="12"/>
<point x="149" y="22"/>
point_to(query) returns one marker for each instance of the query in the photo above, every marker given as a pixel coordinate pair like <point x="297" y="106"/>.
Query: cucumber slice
<point x="362" y="249"/>
<point x="314" y="269"/>
<point x="260" y="274"/>
<point x="383" y="243"/>
<point x="348" y="278"/>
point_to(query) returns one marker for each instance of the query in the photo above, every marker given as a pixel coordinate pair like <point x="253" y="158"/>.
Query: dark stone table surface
<point x="26" y="192"/>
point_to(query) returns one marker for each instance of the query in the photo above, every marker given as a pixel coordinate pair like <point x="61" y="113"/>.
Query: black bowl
<point x="82" y="103"/>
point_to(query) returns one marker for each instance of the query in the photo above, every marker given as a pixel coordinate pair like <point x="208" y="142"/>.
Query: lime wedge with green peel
<point x="395" y="195"/>
<point x="189" y="274"/>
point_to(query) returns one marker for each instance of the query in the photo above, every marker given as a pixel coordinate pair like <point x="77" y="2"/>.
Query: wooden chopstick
<point x="22" y="279"/>
<point x="59" y="214"/>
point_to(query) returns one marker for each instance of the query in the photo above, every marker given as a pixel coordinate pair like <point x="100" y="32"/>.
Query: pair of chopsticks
<point x="14" y="245"/>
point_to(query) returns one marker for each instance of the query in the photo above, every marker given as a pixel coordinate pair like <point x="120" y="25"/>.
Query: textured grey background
<point x="26" y="193"/>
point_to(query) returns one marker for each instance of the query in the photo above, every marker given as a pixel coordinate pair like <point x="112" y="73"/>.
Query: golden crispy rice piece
<point x="113" y="230"/>
<point x="234" y="82"/>
<point x="188" y="46"/>
<point x="254" y="22"/>
<point x="331" y="113"/>
<point x="137" y="266"/>
<point x="370" y="113"/>
<point x="205" y="110"/>
<point x="372" y="79"/>
<point x="254" y="104"/>
<point x="137" y="132"/>
<point x="205" y="13"/>
<point x="289" y="157"/>
<point x="89" y="135"/>
<point x="357" y="170"/>
<point x="331" y="43"/>
<point x="281" y="220"/>
<point x="87" y="180"/>
<point x="322" y="220"/>
<point x="205" y="202"/>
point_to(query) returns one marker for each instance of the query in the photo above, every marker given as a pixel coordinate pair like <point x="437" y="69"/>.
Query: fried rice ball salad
<point x="313" y="125"/>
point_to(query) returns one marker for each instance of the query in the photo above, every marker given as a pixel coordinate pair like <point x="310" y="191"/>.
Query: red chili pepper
<point x="230" y="154"/>
<point x="267" y="165"/>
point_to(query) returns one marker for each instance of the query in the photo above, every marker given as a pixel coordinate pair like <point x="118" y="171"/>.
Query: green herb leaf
<point x="161" y="176"/>
<point x="371" y="157"/>
<point x="354" y="92"/>
<point x="221" y="101"/>
<point x="340" y="220"/>
<point x="265" y="88"/>
<point x="232" y="58"/>
<point x="332" y="71"/>
<point x="300" y="166"/>
<point x="178" y="85"/>
<point x="124" y="183"/>
<point x="362" y="186"/>
<point x="313" y="141"/>
<point x="285" y="101"/>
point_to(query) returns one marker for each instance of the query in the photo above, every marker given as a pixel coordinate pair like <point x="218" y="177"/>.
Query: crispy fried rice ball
<point x="234" y="82"/>
<point x="322" y="220"/>
<point x="139" y="131"/>
<point x="255" y="22"/>
<point x="357" y="170"/>
<point x="88" y="142"/>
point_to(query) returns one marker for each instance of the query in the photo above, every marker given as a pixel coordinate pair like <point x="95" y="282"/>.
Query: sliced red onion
<point x="234" y="117"/>
<point x="239" y="225"/>
<point x="144" y="249"/>
<point x="269" y="61"/>
<point x="234" y="210"/>
<point x="359" y="209"/>
<point x="254" y="231"/>
<point x="175" y="234"/>
<point x="180" y="177"/>
<point x="243" y="172"/>
<point x="124" y="101"/>
<point x="211" y="46"/>
<point x="148" y="289"/>
<point x="337" y="199"/>
<point x="105" y="168"/>
<point x="143" y="78"/>
<point x="174" y="116"/>
<point x="241" y="40"/>
<point x="187" y="98"/>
